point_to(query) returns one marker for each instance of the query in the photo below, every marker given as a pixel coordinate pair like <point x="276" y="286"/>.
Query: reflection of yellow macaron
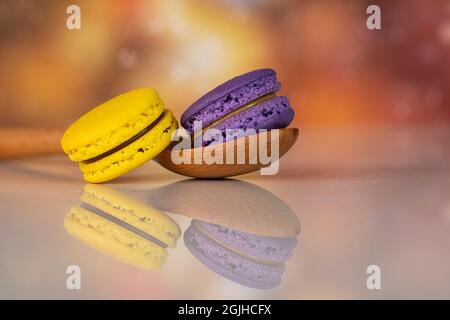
<point x="122" y="227"/>
<point x="119" y="135"/>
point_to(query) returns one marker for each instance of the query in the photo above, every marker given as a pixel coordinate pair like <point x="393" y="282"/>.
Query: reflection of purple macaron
<point x="253" y="261"/>
<point x="244" y="102"/>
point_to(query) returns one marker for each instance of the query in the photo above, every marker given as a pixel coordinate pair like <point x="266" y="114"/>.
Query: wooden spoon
<point x="16" y="141"/>
<point x="204" y="169"/>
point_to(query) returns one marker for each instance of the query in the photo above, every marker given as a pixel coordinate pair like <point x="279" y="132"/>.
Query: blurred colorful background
<point x="334" y="70"/>
<point x="359" y="94"/>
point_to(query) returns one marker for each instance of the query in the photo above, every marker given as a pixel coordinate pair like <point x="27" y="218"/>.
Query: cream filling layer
<point x="126" y="143"/>
<point x="241" y="109"/>
<point x="123" y="224"/>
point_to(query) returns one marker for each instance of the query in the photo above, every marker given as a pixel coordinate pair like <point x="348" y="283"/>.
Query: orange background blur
<point x="334" y="70"/>
<point x="367" y="177"/>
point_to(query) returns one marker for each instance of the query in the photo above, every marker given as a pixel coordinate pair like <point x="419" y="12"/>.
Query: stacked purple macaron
<point x="246" y="102"/>
<point x="251" y="260"/>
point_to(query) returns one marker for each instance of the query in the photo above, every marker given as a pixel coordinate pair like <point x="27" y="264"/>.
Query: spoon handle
<point x="18" y="141"/>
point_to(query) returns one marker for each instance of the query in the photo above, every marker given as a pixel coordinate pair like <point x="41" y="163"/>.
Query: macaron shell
<point x="114" y="240"/>
<point x="230" y="96"/>
<point x="272" y="114"/>
<point x="135" y="213"/>
<point x="264" y="249"/>
<point x="111" y="123"/>
<point x="133" y="155"/>
<point x="231" y="265"/>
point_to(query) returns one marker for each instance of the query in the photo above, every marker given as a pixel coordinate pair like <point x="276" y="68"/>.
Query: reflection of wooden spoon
<point x="231" y="203"/>
<point x="287" y="139"/>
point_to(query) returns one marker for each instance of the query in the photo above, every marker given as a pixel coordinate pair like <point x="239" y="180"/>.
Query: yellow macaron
<point x="122" y="227"/>
<point x="119" y="135"/>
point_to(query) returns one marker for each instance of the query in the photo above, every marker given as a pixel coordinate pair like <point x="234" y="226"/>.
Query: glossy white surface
<point x="392" y="211"/>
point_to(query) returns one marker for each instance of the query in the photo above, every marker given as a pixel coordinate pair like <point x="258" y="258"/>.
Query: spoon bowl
<point x="202" y="165"/>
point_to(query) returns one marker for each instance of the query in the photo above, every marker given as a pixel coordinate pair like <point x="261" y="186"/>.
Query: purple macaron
<point x="250" y="260"/>
<point x="232" y="105"/>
